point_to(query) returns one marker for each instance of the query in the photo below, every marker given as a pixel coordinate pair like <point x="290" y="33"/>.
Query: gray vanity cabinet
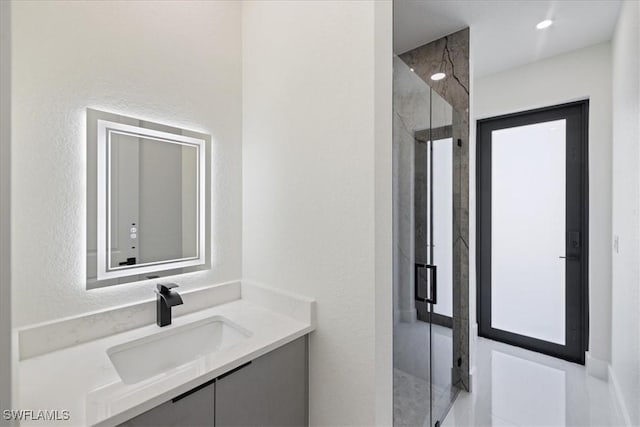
<point x="271" y="390"/>
<point x="195" y="408"/>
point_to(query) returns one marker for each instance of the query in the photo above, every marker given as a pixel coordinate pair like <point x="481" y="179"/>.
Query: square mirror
<point x="148" y="204"/>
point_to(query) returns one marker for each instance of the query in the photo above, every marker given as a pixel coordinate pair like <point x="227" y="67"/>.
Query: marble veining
<point x="449" y="54"/>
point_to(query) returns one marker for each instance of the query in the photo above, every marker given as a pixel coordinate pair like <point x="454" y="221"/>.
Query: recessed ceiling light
<point x="411" y="69"/>
<point x="544" y="24"/>
<point x="438" y="76"/>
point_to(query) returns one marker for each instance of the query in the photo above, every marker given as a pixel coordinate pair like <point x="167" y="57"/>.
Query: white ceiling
<point x="503" y="32"/>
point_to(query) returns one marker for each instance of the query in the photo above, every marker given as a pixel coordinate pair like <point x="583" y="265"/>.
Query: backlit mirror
<point x="147" y="196"/>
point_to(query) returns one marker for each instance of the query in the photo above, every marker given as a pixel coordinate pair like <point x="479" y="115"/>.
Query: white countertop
<point x="82" y="380"/>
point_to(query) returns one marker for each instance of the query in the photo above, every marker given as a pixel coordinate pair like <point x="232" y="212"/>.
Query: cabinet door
<point x="192" y="409"/>
<point x="271" y="391"/>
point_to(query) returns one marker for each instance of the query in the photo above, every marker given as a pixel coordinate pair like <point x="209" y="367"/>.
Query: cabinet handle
<point x="234" y="370"/>
<point x="208" y="383"/>
<point x="193" y="390"/>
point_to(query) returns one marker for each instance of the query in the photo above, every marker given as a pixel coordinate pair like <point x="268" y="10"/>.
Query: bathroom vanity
<point x="202" y="355"/>
<point x="268" y="391"/>
<point x="240" y="360"/>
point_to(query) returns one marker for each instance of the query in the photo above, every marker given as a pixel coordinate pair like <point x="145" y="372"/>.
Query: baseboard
<point x="473" y="355"/>
<point x="472" y="374"/>
<point x="597" y="368"/>
<point x="617" y="393"/>
<point x="409" y="316"/>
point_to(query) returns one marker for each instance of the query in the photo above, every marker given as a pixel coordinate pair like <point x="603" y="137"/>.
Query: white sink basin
<point x="158" y="353"/>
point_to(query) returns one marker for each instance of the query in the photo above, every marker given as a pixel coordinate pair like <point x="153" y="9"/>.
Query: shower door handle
<point x="432" y="298"/>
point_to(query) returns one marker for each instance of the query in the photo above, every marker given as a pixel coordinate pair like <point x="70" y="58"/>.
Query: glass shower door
<point x="439" y="252"/>
<point x="423" y="251"/>
<point x="411" y="337"/>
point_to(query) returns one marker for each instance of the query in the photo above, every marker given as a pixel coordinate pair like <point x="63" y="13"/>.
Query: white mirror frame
<point x="105" y="129"/>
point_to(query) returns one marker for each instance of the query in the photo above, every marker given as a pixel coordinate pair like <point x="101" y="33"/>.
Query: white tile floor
<point x="516" y="387"/>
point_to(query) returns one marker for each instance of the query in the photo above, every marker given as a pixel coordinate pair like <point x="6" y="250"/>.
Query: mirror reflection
<point x="147" y="202"/>
<point x="153" y="192"/>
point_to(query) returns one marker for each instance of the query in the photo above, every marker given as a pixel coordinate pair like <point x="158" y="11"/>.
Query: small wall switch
<point x="616" y="244"/>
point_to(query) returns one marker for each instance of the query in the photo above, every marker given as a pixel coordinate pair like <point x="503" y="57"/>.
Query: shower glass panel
<point x="412" y="338"/>
<point x="438" y="246"/>
<point x="423" y="251"/>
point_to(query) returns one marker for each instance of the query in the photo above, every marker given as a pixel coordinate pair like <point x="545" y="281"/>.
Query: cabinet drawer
<point x="195" y="408"/>
<point x="271" y="391"/>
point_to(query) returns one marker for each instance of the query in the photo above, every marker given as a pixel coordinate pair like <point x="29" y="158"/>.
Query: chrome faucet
<point x="165" y="300"/>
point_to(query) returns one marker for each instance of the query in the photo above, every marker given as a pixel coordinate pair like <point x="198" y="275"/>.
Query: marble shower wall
<point x="450" y="55"/>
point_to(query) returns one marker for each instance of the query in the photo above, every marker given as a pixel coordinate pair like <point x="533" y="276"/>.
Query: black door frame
<point x="577" y="262"/>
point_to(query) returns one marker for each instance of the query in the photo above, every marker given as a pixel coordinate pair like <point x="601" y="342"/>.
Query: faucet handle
<point x="164" y="288"/>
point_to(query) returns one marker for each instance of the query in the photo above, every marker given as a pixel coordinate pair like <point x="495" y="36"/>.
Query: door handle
<point x="433" y="282"/>
<point x="570" y="257"/>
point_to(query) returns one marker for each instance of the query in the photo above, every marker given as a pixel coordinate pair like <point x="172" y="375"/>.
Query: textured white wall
<point x="625" y="327"/>
<point x="177" y="63"/>
<point x="313" y="220"/>
<point x="5" y="210"/>
<point x="584" y="73"/>
<point x="383" y="189"/>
